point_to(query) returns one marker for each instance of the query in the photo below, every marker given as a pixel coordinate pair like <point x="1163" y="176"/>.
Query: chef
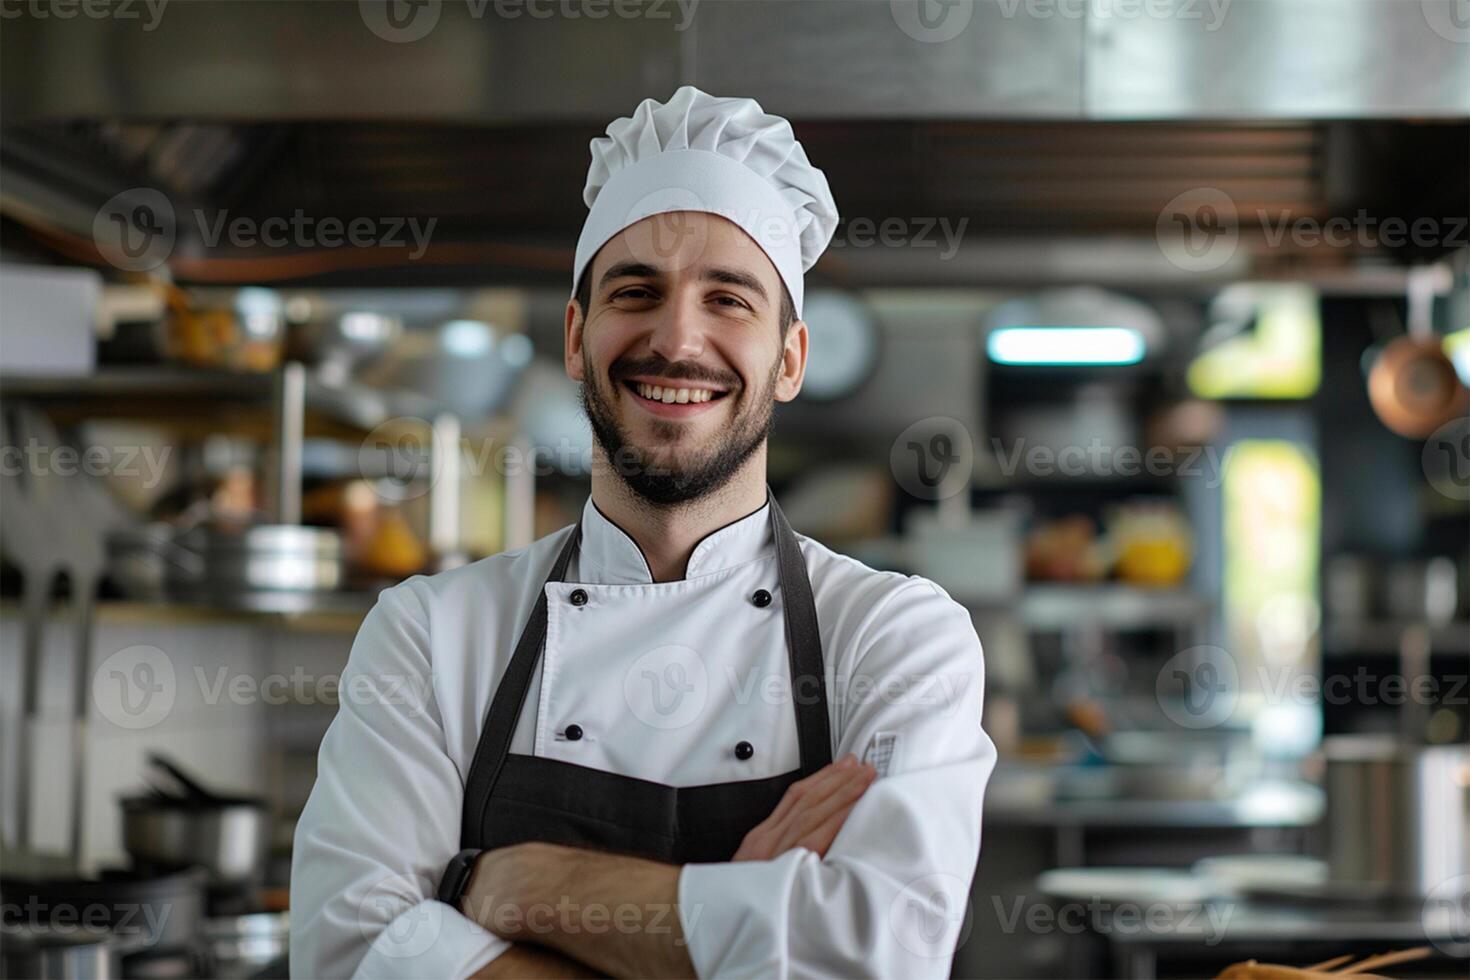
<point x="675" y="738"/>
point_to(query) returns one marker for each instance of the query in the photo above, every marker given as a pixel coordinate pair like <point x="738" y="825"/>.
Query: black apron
<point x="510" y="799"/>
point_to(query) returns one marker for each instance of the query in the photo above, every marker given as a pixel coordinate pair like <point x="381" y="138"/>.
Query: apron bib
<point x="512" y="798"/>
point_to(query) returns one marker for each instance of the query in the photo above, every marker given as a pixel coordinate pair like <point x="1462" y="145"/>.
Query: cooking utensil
<point x="1335" y="967"/>
<point x="261" y="560"/>
<point x="25" y="537"/>
<point x="226" y="835"/>
<point x="79" y="520"/>
<point x="1412" y="385"/>
<point x="141" y="560"/>
<point x="144" y="913"/>
<point x="1396" y="814"/>
<point x="30" y="951"/>
<point x="193" y="791"/>
<point x="248" y="945"/>
<point x="66" y="517"/>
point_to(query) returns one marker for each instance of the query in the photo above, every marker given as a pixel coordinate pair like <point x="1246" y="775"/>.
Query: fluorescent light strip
<point x="1065" y="345"/>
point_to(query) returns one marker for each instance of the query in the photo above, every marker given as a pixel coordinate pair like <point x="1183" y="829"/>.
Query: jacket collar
<point x="610" y="556"/>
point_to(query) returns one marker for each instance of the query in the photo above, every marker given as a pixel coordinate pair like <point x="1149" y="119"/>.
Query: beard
<point x="686" y="475"/>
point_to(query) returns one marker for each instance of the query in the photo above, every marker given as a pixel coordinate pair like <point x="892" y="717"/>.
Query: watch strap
<point x="457" y="876"/>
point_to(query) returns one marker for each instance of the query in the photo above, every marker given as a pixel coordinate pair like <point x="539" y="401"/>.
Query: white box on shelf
<point x="48" y="320"/>
<point x="976" y="559"/>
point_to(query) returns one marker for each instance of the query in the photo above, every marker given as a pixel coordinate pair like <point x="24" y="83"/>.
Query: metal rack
<point x="290" y="394"/>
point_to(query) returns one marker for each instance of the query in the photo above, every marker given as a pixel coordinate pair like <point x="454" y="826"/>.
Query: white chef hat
<point x="727" y="157"/>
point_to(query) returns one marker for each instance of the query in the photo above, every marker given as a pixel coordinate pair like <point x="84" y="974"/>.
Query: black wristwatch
<point x="457" y="876"/>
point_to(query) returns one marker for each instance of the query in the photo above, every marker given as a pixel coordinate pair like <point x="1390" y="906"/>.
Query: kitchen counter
<point x="1226" y="931"/>
<point x="1267" y="804"/>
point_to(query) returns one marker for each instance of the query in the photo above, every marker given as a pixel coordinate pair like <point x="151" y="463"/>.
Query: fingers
<point x="821" y="838"/>
<point x="815" y="786"/>
<point x="813" y="810"/>
<point x="844" y="797"/>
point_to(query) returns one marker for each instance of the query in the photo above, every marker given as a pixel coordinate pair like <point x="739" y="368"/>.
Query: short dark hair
<point x="584" y="300"/>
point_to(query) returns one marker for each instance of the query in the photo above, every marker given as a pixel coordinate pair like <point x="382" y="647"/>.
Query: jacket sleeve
<point x="383" y="820"/>
<point x="890" y="897"/>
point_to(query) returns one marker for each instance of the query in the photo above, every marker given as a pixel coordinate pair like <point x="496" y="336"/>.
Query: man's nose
<point x="678" y="335"/>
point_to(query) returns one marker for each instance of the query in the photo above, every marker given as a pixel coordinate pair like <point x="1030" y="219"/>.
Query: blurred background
<point x="1146" y="334"/>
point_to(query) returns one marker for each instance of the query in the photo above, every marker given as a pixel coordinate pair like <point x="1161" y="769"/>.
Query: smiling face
<point x="681" y="353"/>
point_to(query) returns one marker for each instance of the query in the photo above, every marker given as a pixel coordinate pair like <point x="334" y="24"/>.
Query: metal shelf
<point x="1386" y="636"/>
<point x="288" y="395"/>
<point x="336" y="612"/>
<point x="1065" y="607"/>
<point x="356" y="405"/>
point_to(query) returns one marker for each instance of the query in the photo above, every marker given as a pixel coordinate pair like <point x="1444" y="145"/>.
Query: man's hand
<point x="617" y="914"/>
<point x="810" y="813"/>
<point x="522" y="962"/>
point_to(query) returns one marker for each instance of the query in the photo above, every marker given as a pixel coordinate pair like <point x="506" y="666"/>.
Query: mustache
<point x="660" y="367"/>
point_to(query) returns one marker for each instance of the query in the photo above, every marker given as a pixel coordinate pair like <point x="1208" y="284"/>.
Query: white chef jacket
<point x="664" y="679"/>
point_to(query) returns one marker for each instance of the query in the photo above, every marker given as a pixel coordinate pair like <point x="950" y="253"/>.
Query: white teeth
<point x="670" y="396"/>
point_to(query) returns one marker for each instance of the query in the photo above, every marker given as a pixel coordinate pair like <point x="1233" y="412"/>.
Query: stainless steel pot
<point x="1398" y="816"/>
<point x="262" y="559"/>
<point x="246" y="945"/>
<point x="141" y="914"/>
<point x="227" y="836"/>
<point x="39" y="952"/>
<point x="227" y="839"/>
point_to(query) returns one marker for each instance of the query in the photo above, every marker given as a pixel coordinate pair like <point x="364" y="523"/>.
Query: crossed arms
<point x="565" y="907"/>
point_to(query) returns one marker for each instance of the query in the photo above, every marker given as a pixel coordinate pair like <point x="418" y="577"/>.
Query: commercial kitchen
<point x="1142" y="332"/>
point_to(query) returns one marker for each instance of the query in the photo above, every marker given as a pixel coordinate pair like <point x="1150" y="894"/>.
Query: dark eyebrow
<point x="629" y="270"/>
<point x="734" y="277"/>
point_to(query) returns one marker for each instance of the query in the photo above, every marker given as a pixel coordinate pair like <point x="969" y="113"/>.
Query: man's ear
<point x="572" y="341"/>
<point x="793" y="362"/>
